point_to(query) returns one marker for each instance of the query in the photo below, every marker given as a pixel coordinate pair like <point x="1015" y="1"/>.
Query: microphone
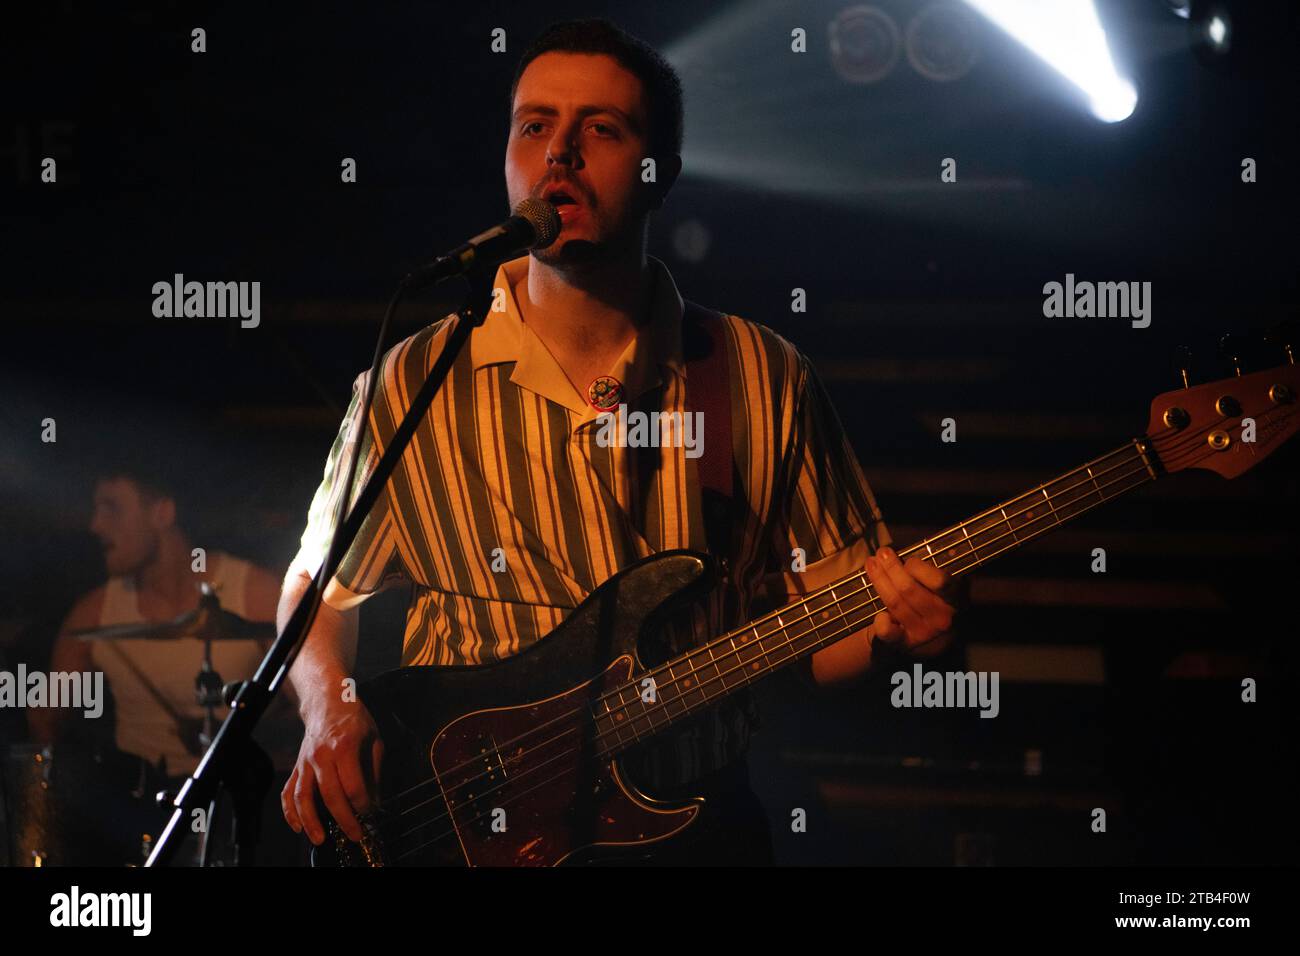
<point x="534" y="225"/>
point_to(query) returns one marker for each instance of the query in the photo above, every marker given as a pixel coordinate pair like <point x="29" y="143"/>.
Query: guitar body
<point x="495" y="765"/>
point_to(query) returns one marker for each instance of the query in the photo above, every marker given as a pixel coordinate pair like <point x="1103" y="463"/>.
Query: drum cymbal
<point x="209" y="620"/>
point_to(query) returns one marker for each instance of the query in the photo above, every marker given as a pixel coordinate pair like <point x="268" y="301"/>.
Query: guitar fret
<point x="810" y="625"/>
<point x="826" y="609"/>
<point x="638" y="712"/>
<point x="629" y="721"/>
<point x="1095" y="485"/>
<point x="770" y="641"/>
<point x="609" y="714"/>
<point x="826" y="614"/>
<point x="1049" y="503"/>
<point x="674" y="695"/>
<point x="763" y="649"/>
<point x="729" y="672"/>
<point x="1142" y="453"/>
<point x="1009" y="525"/>
<point x="691" y="685"/>
<point x="713" y="663"/>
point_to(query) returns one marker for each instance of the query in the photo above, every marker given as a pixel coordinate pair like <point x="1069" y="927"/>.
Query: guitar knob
<point x="1231" y="347"/>
<point x="1283" y="334"/>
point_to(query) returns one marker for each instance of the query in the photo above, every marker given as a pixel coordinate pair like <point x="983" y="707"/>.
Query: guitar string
<point x="1102" y="500"/>
<point x="1127" y="449"/>
<point x="722" y="675"/>
<point x="975" y="550"/>
<point x="972" y="540"/>
<point x="515" y="797"/>
<point x="699" y="652"/>
<point x="1134" y="456"/>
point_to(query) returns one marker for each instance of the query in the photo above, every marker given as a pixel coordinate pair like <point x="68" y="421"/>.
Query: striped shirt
<point x="506" y="511"/>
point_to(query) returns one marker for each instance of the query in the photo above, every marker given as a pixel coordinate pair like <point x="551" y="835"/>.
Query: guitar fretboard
<point x="688" y="684"/>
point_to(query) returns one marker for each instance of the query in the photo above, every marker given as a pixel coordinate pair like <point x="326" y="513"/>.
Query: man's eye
<point x="528" y="126"/>
<point x="607" y="129"/>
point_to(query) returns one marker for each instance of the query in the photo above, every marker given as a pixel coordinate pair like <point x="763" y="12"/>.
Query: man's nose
<point x="561" y="149"/>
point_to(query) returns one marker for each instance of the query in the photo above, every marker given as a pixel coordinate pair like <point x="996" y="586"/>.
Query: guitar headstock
<point x="1228" y="426"/>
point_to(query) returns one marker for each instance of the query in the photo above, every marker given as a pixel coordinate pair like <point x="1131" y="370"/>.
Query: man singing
<point x="506" y="511"/>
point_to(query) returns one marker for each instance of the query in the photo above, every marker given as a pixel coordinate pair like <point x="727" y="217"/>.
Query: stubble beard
<point x="583" y="256"/>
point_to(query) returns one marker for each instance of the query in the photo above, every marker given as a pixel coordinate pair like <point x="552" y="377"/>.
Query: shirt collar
<point x="505" y="337"/>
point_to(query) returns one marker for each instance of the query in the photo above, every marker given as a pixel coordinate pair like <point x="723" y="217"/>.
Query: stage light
<point x="1213" y="35"/>
<point x="1067" y="35"/>
<point x="1217" y="32"/>
<point x="1114" y="102"/>
<point x="943" y="41"/>
<point x="865" y="44"/>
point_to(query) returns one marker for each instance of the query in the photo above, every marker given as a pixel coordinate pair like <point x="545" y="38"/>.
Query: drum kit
<point x="90" y="804"/>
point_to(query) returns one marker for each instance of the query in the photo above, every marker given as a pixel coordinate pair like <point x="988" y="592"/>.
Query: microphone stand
<point x="234" y="759"/>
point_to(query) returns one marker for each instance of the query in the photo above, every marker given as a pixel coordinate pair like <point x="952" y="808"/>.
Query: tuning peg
<point x="1284" y="334"/>
<point x="1183" y="362"/>
<point x="1231" y="347"/>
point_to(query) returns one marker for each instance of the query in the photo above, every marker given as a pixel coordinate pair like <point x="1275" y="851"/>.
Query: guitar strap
<point x="708" y="390"/>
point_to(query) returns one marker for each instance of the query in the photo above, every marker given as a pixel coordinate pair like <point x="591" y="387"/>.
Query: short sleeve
<point x="827" y="508"/>
<point x="368" y="560"/>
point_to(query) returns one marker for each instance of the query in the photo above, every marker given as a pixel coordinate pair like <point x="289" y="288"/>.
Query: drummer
<point x="154" y="575"/>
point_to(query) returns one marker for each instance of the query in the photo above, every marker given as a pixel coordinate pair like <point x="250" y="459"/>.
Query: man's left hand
<point x="918" y="617"/>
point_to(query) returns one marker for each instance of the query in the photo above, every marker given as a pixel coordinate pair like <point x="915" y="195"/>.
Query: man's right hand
<point x="330" y="762"/>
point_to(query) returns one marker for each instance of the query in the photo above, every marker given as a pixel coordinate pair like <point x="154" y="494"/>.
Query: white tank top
<point x="144" y="727"/>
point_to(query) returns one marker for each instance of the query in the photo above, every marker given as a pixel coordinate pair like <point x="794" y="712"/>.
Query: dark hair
<point x="154" y="461"/>
<point x="660" y="85"/>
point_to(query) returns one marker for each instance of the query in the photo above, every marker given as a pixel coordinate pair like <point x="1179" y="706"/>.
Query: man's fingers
<point x="336" y="800"/>
<point x="286" y="803"/>
<point x="936" y="579"/>
<point x="887" y="586"/>
<point x="304" y="801"/>
<point x="909" y="593"/>
<point x="353" y="779"/>
<point x="886" y="628"/>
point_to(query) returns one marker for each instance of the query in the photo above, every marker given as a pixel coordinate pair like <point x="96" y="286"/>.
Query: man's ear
<point x="666" y="175"/>
<point x="163" y="512"/>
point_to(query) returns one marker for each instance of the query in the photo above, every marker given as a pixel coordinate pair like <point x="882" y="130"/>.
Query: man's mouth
<point x="565" y="205"/>
<point x="559" y="194"/>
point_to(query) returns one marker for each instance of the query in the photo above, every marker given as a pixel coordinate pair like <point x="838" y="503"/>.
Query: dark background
<point x="925" y="301"/>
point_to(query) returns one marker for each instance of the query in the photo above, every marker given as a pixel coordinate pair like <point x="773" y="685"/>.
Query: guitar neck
<point x="690" y="683"/>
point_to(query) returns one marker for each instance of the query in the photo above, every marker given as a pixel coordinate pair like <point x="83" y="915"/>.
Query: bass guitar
<point x="517" y="762"/>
